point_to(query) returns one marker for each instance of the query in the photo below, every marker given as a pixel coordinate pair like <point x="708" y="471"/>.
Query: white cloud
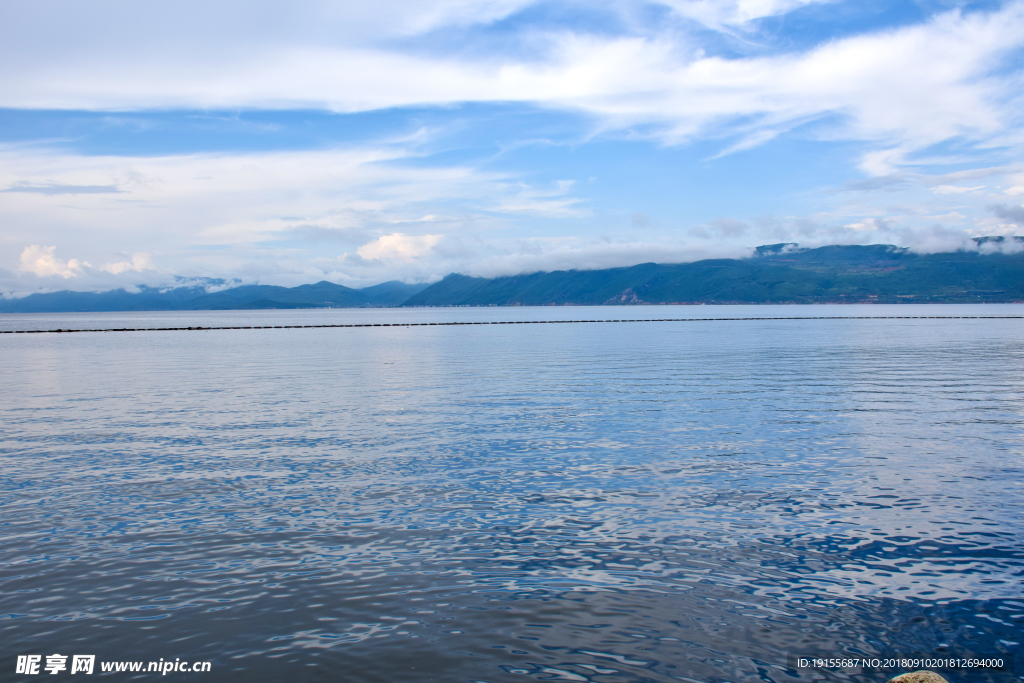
<point x="866" y="225"/>
<point x="922" y="234"/>
<point x="41" y="261"/>
<point x="718" y="13"/>
<point x="397" y="246"/>
<point x="904" y="89"/>
<point x="139" y="263"/>
<point x="472" y="255"/>
<point x="956" y="189"/>
<point x="539" y="201"/>
<point x="1014" y="184"/>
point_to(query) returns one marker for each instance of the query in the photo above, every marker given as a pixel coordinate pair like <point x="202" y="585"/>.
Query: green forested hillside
<point x="836" y="274"/>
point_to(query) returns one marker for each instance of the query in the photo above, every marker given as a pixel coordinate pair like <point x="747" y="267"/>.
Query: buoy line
<point x="518" y="322"/>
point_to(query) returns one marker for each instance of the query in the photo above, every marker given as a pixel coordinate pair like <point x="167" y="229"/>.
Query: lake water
<point x="651" y="501"/>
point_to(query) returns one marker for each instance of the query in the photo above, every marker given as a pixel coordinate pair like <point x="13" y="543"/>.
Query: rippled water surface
<point x="593" y="502"/>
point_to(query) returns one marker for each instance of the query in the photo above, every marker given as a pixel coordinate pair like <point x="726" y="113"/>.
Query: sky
<point x="169" y="144"/>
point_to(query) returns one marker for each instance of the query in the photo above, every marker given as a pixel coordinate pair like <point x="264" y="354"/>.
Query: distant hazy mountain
<point x="776" y="273"/>
<point x="780" y="273"/>
<point x="321" y="295"/>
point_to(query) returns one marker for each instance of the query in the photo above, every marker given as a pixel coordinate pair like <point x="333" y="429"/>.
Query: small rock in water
<point x="919" y="677"/>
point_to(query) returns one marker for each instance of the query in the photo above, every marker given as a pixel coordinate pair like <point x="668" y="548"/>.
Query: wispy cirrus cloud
<point x="52" y="188"/>
<point x="735" y="13"/>
<point x="874" y="86"/>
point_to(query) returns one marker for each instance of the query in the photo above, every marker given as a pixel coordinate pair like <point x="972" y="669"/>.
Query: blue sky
<point x="154" y="144"/>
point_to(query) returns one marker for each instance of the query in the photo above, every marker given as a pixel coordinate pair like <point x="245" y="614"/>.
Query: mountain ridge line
<point x="774" y="274"/>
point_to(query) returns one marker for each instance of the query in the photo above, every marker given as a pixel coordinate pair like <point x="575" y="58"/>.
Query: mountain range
<point x="320" y="295"/>
<point x="778" y="273"/>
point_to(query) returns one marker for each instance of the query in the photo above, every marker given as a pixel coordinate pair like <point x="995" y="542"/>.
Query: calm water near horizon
<point x="40" y="321"/>
<point x="611" y="503"/>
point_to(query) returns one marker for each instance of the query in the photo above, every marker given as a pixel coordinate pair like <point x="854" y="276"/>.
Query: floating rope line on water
<point x="523" y="322"/>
